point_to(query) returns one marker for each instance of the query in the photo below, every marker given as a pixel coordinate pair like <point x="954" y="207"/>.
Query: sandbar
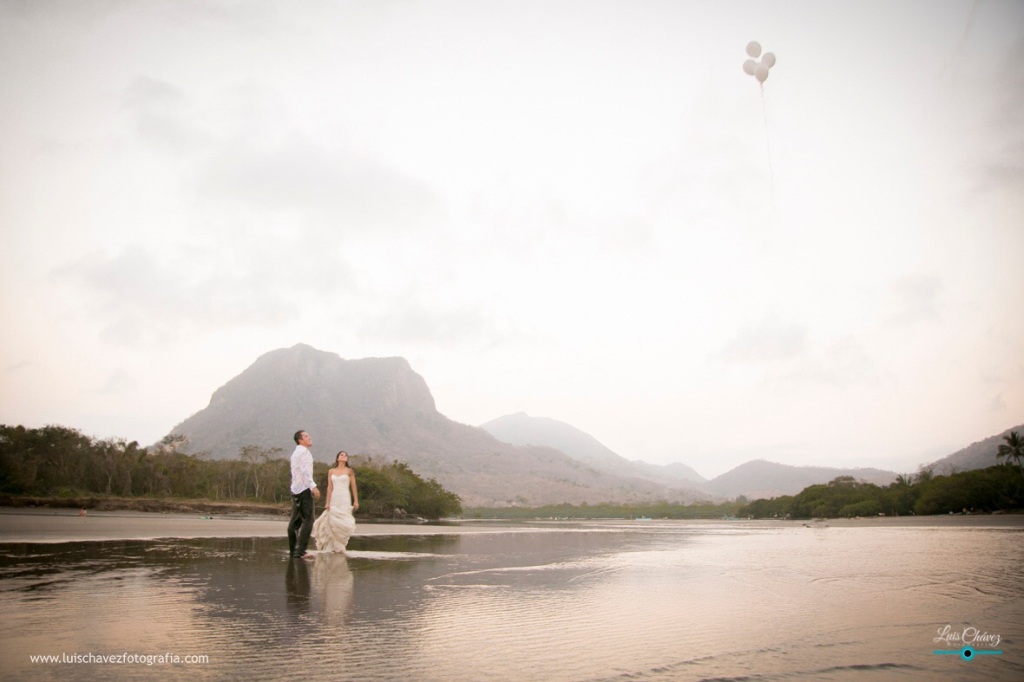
<point x="32" y="525"/>
<point x="20" y="525"/>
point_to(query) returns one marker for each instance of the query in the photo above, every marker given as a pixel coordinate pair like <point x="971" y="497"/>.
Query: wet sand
<point x="850" y="600"/>
<point x="60" y="525"/>
<point x="19" y="525"/>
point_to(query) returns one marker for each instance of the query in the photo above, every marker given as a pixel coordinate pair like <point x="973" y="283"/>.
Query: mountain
<point x="381" y="408"/>
<point x="762" y="479"/>
<point x="754" y="479"/>
<point x="522" y="429"/>
<point x="979" y="455"/>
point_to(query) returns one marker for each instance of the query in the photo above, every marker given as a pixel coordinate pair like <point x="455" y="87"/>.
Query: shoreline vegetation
<point x="59" y="467"/>
<point x="144" y="504"/>
<point x="995" y="490"/>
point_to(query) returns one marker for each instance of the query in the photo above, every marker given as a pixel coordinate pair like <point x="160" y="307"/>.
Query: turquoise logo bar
<point x="968" y="652"/>
<point x="971" y="642"/>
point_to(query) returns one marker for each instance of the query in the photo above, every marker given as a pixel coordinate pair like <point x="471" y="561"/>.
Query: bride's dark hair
<point x="337" y="456"/>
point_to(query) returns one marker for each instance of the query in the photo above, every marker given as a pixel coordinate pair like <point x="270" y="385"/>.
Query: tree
<point x="862" y="508"/>
<point x="111" y="462"/>
<point x="901" y="495"/>
<point x="257" y="461"/>
<point x="1013" y="448"/>
<point x="172" y="442"/>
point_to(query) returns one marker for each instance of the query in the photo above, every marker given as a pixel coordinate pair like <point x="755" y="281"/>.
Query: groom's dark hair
<point x="298" y="435"/>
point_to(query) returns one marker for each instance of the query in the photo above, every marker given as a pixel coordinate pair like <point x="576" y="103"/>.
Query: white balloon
<point x="761" y="73"/>
<point x="768" y="59"/>
<point x="753" y="48"/>
<point x="749" y="66"/>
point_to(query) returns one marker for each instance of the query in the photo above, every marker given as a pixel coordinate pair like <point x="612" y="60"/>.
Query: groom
<point x="303" y="492"/>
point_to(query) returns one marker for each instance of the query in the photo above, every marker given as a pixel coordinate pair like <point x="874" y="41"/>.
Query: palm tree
<point x="901" y="494"/>
<point x="1013" y="448"/>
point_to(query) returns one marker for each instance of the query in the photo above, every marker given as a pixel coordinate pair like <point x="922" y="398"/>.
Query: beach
<point x="20" y="524"/>
<point x="217" y="598"/>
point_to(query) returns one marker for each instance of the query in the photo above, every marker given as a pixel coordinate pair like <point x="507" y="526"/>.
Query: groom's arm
<point x="308" y="473"/>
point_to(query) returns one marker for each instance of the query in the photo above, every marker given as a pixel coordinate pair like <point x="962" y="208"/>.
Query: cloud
<point x="1005" y="170"/>
<point x="118" y="382"/>
<point x="159" y="111"/>
<point x="768" y="341"/>
<point x="143" y="295"/>
<point x="83" y="15"/>
<point x="299" y="174"/>
<point x="1008" y="109"/>
<point x="411" y="322"/>
<point x="245" y="153"/>
<point x="841" y="364"/>
<point x="18" y="366"/>
<point x="146" y="92"/>
<point x="916" y="299"/>
<point x="1001" y="166"/>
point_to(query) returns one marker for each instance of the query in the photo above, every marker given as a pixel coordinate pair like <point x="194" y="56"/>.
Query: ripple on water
<point x="644" y="604"/>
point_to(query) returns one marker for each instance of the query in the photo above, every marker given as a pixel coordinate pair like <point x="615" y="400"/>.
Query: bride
<point x="335" y="526"/>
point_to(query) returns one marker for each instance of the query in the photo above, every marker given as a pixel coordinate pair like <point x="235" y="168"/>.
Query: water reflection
<point x="297" y="587"/>
<point x="332" y="585"/>
<point x="586" y="602"/>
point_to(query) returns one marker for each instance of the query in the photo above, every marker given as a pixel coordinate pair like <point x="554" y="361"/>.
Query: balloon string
<point x="768" y="145"/>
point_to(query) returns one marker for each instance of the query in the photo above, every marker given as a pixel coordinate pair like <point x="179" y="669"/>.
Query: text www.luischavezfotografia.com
<point x="89" y="658"/>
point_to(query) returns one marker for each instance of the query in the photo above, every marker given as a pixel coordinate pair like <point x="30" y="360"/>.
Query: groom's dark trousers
<point x="301" y="522"/>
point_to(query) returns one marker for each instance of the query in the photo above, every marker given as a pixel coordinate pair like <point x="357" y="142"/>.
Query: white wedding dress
<point x="335" y="526"/>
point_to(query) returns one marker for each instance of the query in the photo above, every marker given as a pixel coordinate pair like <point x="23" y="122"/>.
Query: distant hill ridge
<point x="522" y="429"/>
<point x="979" y="455"/>
<point x="380" y="407"/>
<point x="758" y="478"/>
<point x="761" y="478"/>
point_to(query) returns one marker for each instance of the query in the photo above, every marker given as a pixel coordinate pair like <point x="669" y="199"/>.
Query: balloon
<point x="768" y="59"/>
<point x="753" y="48"/>
<point x="761" y="73"/>
<point x="749" y="66"/>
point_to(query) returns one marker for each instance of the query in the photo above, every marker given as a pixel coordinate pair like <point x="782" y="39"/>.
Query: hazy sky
<point x="582" y="210"/>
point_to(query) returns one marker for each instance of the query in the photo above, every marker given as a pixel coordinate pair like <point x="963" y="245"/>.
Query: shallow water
<point x="655" y="600"/>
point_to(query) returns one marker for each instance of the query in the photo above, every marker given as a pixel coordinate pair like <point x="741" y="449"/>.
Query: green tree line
<point x="999" y="487"/>
<point x="60" y="461"/>
<point x="996" y="488"/>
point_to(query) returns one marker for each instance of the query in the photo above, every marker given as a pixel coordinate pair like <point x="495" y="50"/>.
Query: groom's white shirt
<point x="302" y="469"/>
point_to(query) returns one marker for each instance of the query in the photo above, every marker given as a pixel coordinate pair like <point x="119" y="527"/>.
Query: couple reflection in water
<point x="322" y="586"/>
<point x="328" y="581"/>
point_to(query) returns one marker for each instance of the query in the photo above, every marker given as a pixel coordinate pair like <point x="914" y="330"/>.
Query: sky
<point x="578" y="209"/>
